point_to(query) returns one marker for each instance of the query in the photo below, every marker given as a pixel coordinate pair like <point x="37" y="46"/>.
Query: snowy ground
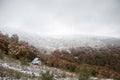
<point x="37" y="70"/>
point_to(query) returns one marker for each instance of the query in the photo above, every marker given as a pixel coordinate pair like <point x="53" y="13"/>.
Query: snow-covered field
<point x="37" y="70"/>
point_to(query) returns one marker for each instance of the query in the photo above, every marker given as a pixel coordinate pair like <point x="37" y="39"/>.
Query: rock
<point x="36" y="61"/>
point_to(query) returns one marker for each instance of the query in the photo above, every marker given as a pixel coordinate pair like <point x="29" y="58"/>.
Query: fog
<point x="62" y="17"/>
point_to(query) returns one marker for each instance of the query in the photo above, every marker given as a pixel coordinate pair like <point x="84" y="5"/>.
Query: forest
<point x="101" y="63"/>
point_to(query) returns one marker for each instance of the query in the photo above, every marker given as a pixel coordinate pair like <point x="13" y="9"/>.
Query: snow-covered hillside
<point x="64" y="42"/>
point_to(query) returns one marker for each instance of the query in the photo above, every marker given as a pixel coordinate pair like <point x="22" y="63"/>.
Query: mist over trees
<point x="102" y="62"/>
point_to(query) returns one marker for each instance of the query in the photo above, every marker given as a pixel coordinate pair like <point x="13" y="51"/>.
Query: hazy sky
<point x="62" y="17"/>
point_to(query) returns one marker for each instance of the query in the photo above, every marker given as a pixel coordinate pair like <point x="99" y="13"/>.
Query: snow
<point x="95" y="78"/>
<point x="66" y="42"/>
<point x="37" y="70"/>
<point x="66" y="78"/>
<point x="7" y="66"/>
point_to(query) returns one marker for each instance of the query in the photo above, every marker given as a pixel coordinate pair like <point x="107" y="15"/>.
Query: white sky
<point x="62" y="17"/>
